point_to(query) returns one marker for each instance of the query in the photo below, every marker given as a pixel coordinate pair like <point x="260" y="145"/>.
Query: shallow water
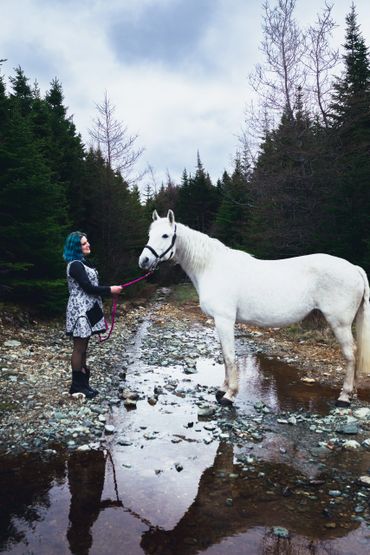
<point x="177" y="487"/>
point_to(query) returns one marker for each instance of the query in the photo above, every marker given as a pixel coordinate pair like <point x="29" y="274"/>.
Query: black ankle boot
<point x="79" y="385"/>
<point x="87" y="374"/>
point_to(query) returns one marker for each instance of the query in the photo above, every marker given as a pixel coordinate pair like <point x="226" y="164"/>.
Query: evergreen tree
<point x="284" y="197"/>
<point x="198" y="200"/>
<point x="232" y="218"/>
<point x="65" y="151"/>
<point x="350" y="113"/>
<point x="33" y="213"/>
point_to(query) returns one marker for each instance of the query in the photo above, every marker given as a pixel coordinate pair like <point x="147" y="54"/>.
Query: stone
<point x="109" y="429"/>
<point x="307" y="380"/>
<point x="366" y="443"/>
<point x="362" y="413"/>
<point x="351" y="444"/>
<point x="334" y="493"/>
<point x="280" y="532"/>
<point x="84" y="448"/>
<point x="206" y="411"/>
<point x="12" y="343"/>
<point x="348" y="429"/>
<point x="364" y="481"/>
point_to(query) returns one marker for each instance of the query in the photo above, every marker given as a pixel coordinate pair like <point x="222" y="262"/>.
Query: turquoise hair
<point x="72" y="246"/>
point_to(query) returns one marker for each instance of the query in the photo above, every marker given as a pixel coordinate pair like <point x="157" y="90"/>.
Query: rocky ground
<point x="37" y="411"/>
<point x="151" y="362"/>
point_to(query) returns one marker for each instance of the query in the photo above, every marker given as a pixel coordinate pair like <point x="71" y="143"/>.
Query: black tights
<point x="79" y="353"/>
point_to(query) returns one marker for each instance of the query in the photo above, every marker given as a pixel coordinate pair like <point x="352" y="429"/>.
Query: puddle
<point x="172" y="483"/>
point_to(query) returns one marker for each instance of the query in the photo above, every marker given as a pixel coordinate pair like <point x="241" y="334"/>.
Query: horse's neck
<point x="195" y="251"/>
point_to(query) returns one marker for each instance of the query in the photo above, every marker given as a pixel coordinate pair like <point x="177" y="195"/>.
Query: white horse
<point x="234" y="286"/>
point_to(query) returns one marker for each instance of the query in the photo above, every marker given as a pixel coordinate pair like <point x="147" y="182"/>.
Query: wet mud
<point x="282" y="472"/>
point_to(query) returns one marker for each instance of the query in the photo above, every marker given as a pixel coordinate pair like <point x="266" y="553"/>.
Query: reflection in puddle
<point x="84" y="504"/>
<point x="165" y="485"/>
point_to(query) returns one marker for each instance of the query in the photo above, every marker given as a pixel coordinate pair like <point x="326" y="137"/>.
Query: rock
<point x="109" y="429"/>
<point x="124" y="442"/>
<point x="362" y="414"/>
<point x="307" y="380"/>
<point x="229" y="502"/>
<point x="152" y="401"/>
<point x="190" y="370"/>
<point x="335" y="493"/>
<point x="12" y="343"/>
<point x="364" y="481"/>
<point x="351" y="444"/>
<point x="206" y="411"/>
<point x="292" y="420"/>
<point x="348" y="429"/>
<point x="131" y="395"/>
<point x="280" y="532"/>
<point x="366" y="443"/>
<point x="84" y="448"/>
<point x="130" y="404"/>
<point x="179" y="467"/>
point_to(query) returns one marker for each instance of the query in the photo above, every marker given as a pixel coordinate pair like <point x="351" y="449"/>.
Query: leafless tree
<point x="112" y="138"/>
<point x="320" y="58"/>
<point x="283" y="45"/>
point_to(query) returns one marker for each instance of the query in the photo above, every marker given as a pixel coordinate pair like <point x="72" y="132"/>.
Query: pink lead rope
<point x="114" y="307"/>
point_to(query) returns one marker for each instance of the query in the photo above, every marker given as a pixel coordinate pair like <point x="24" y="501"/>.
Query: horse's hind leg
<point x="343" y="334"/>
<point x="227" y="392"/>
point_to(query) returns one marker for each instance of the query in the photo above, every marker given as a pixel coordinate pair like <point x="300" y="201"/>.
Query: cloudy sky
<point x="176" y="70"/>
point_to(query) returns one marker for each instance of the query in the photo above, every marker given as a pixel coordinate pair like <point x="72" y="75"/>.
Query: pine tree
<point x="232" y="218"/>
<point x="198" y="200"/>
<point x="284" y="198"/>
<point x="33" y="213"/>
<point x="350" y="113"/>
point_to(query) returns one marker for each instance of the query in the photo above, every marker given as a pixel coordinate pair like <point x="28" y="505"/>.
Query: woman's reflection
<point x="86" y="481"/>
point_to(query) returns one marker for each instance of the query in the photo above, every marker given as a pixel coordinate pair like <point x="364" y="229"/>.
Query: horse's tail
<point x="363" y="329"/>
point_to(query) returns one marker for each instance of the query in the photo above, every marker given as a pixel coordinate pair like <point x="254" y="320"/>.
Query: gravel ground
<point x="36" y="410"/>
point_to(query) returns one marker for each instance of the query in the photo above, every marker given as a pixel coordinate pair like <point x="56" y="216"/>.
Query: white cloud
<point x="176" y="105"/>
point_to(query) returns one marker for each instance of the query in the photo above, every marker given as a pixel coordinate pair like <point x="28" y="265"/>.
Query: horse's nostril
<point x="146" y="260"/>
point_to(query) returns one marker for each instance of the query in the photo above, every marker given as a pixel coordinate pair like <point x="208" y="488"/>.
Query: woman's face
<point x="85" y="246"/>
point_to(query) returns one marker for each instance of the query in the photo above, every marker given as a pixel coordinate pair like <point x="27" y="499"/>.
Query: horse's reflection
<point x="228" y="504"/>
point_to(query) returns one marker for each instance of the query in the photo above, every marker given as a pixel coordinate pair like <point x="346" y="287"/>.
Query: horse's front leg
<point x="225" y="329"/>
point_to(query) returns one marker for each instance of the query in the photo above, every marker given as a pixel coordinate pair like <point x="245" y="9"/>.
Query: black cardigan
<point x="77" y="271"/>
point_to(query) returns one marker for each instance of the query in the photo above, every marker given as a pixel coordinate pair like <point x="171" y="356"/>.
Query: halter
<point x="160" y="256"/>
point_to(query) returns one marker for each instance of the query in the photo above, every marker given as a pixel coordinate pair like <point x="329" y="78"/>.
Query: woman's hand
<point x="116" y="289"/>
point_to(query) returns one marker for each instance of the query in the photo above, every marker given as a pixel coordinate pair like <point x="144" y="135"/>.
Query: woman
<point x="85" y="308"/>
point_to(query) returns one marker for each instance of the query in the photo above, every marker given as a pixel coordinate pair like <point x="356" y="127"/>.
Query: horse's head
<point x="162" y="241"/>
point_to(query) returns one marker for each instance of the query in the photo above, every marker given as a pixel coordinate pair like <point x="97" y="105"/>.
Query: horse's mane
<point x="195" y="248"/>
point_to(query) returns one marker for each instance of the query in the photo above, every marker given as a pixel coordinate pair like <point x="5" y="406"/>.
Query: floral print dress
<point x="79" y="302"/>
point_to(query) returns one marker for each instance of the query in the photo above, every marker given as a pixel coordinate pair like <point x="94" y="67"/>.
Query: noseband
<point x="160" y="256"/>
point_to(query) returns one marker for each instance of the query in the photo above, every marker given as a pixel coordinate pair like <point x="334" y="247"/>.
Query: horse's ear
<point x="155" y="215"/>
<point x="171" y="217"/>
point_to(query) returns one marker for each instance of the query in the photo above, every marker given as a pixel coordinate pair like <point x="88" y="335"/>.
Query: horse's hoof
<point x="225" y="402"/>
<point x="342" y="404"/>
<point x="219" y="394"/>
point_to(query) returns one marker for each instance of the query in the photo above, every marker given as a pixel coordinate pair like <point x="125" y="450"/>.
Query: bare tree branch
<point x="320" y="58"/>
<point x="283" y="46"/>
<point x="116" y="145"/>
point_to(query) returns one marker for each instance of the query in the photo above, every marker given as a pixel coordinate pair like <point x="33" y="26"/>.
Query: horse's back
<point x="278" y="292"/>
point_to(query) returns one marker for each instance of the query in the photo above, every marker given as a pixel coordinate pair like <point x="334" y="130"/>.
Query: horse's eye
<point x="165" y="236"/>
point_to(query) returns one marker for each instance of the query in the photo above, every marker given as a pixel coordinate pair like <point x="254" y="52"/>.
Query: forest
<point x="300" y="181"/>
